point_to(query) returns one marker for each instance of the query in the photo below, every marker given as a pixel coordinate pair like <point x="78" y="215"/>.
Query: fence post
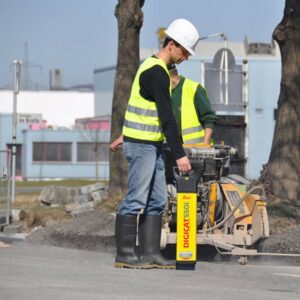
<point x="16" y="89"/>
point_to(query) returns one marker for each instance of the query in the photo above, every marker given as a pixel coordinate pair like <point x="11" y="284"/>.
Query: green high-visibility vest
<point x="141" y="117"/>
<point x="191" y="128"/>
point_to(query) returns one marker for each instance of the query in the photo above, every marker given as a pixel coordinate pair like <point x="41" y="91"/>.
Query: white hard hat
<point x="184" y="33"/>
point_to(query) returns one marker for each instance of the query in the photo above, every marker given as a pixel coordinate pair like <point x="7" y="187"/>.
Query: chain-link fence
<point x="5" y="186"/>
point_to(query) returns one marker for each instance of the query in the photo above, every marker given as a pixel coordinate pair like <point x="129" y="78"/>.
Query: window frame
<point x="58" y="152"/>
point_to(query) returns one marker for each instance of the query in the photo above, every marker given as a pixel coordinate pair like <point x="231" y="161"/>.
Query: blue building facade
<point x="264" y="89"/>
<point x="62" y="153"/>
<point x="264" y="75"/>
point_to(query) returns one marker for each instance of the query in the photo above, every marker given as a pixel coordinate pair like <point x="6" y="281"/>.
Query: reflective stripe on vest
<point x="141" y="111"/>
<point x="142" y="127"/>
<point x="191" y="129"/>
<point x="141" y="117"/>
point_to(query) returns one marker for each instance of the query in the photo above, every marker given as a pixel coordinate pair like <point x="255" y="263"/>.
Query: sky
<point x="78" y="36"/>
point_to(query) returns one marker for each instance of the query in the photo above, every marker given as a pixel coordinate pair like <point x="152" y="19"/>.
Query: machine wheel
<point x="243" y="260"/>
<point x="163" y="239"/>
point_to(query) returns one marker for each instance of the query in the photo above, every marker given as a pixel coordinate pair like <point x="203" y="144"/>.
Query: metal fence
<point x="5" y="186"/>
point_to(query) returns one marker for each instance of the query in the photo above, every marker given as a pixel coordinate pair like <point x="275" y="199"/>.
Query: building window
<point x="52" y="152"/>
<point x="92" y="152"/>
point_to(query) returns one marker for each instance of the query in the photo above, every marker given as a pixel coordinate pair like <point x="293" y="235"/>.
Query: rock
<point x="18" y="215"/>
<point x="98" y="195"/>
<point x="57" y="195"/>
<point x="80" y="199"/>
<point x="35" y="220"/>
<point x="88" y="189"/>
<point x="75" y="209"/>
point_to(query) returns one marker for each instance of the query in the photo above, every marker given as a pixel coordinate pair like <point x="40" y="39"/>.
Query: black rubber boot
<point x="125" y="234"/>
<point x="149" y="240"/>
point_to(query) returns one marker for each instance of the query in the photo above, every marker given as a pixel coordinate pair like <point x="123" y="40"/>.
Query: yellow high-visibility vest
<point x="141" y="117"/>
<point x="191" y="128"/>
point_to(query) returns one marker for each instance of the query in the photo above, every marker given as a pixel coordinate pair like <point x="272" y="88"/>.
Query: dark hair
<point x="168" y="40"/>
<point x="171" y="67"/>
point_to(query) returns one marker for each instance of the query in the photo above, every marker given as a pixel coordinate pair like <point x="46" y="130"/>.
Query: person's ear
<point x="171" y="45"/>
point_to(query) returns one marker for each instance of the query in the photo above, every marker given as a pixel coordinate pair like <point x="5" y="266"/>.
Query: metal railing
<point x="5" y="187"/>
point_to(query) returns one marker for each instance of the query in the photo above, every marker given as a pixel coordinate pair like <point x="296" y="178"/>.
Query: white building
<point x="58" y="108"/>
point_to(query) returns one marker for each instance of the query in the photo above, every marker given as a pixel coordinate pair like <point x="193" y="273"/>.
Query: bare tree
<point x="96" y="145"/>
<point x="282" y="172"/>
<point x="130" y="21"/>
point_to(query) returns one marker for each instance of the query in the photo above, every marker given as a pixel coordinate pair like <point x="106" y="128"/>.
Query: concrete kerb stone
<point x="12" y="237"/>
<point x="81" y="199"/>
<point x="88" y="189"/>
<point x="75" y="200"/>
<point x="57" y="195"/>
<point x="88" y="197"/>
<point x="98" y="195"/>
<point x="75" y="209"/>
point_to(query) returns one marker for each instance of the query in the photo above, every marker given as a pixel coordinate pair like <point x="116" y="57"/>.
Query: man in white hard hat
<point x="148" y="121"/>
<point x="184" y="33"/>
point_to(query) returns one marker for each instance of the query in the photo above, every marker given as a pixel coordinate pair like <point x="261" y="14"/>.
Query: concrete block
<point x="88" y="189"/>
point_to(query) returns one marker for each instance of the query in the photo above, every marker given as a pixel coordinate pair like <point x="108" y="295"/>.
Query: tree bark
<point x="282" y="172"/>
<point x="130" y="20"/>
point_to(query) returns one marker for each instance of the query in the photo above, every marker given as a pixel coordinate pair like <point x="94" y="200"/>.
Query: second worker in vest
<point x="148" y="121"/>
<point x="193" y="113"/>
<point x="192" y="109"/>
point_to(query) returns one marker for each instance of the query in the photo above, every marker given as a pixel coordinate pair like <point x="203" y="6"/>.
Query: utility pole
<point x="16" y="88"/>
<point x="27" y="83"/>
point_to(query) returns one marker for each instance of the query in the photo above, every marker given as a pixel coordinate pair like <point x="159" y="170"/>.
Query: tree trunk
<point x="130" y="21"/>
<point x="282" y="172"/>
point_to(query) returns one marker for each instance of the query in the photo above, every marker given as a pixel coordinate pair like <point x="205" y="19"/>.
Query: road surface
<point x="46" y="272"/>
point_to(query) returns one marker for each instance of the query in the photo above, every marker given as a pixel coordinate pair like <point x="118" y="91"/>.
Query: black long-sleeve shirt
<point x="154" y="86"/>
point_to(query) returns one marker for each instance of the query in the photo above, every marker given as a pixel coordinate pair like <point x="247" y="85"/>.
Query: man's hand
<point x="116" y="144"/>
<point x="183" y="164"/>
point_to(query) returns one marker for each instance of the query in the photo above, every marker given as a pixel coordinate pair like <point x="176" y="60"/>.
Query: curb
<point x="13" y="237"/>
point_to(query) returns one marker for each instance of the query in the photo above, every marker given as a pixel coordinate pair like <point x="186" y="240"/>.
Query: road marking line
<point x="265" y="266"/>
<point x="289" y="275"/>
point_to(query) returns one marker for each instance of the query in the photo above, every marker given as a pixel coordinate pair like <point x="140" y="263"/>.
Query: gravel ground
<point x="95" y="231"/>
<point x="287" y="242"/>
<point x="91" y="231"/>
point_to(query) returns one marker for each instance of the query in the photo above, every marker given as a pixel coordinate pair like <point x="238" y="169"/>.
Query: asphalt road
<point x="45" y="272"/>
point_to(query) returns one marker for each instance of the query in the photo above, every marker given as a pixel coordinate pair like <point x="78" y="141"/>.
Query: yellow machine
<point x="212" y="207"/>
